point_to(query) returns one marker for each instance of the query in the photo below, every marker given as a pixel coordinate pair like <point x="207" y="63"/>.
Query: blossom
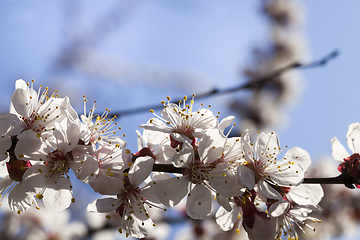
<point x="113" y="159"/>
<point x="204" y="172"/>
<point x="182" y="122"/>
<point x="102" y="130"/>
<point x="129" y="206"/>
<point x="48" y="178"/>
<point x="155" y="144"/>
<point x="349" y="165"/>
<point x="263" y="168"/>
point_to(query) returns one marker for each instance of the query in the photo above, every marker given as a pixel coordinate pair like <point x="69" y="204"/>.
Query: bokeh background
<point x="128" y="54"/>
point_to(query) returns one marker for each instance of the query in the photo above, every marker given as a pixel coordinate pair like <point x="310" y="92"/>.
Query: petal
<point x="29" y="144"/>
<point x="307" y="194"/>
<point x="104" y="205"/>
<point x="85" y="167"/>
<point x="353" y="137"/>
<point x="266" y="144"/>
<point x="223" y="181"/>
<point x="268" y="191"/>
<point x="338" y="150"/>
<point x="293" y="174"/>
<point x="140" y="170"/>
<point x="211" y="146"/>
<point x="279" y="208"/>
<point x="107" y="185"/>
<point x="20" y="102"/>
<point x="225" y="219"/>
<point x="198" y="204"/>
<point x="10" y="124"/>
<point x="246" y="176"/>
<point x="18" y="199"/>
<point x="171" y="191"/>
<point x="224" y="202"/>
<point x="225" y="122"/>
<point x="5" y="183"/>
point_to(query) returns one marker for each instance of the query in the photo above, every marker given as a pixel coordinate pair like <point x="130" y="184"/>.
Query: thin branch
<point x="253" y="84"/>
<point x="341" y="179"/>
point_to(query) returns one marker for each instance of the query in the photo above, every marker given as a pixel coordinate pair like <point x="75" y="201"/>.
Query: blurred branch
<point x="250" y="85"/>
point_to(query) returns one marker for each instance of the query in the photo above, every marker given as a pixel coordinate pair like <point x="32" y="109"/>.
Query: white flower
<point x="353" y="141"/>
<point x="56" y="156"/>
<point x="182" y="122"/>
<point x="287" y="214"/>
<point x="262" y="167"/>
<point x="101" y="131"/>
<point x="129" y="206"/>
<point x="156" y="144"/>
<point x="113" y="159"/>
<point x="204" y="172"/>
<point x="349" y="165"/>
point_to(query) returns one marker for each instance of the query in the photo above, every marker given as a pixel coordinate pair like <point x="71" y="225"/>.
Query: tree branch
<point x="252" y="84"/>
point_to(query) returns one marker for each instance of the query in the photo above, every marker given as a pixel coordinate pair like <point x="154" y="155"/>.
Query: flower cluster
<point x="182" y="154"/>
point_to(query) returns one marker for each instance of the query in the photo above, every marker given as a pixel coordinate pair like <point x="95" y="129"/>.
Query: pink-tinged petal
<point x="225" y="122"/>
<point x="212" y="145"/>
<point x="18" y="199"/>
<point x="263" y="229"/>
<point x="171" y="191"/>
<point x="338" y="150"/>
<point x="246" y="176"/>
<point x="279" y="208"/>
<point x="20" y="101"/>
<point x="307" y="194"/>
<point x="353" y="137"/>
<point x="107" y="185"/>
<point x="140" y="170"/>
<point x="104" y="205"/>
<point x="268" y="191"/>
<point x="227" y="219"/>
<point x="198" y="204"/>
<point x="58" y="196"/>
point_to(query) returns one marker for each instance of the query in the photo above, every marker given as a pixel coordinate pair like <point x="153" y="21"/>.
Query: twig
<point x="253" y="84"/>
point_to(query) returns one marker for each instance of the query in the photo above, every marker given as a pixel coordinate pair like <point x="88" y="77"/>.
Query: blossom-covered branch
<point x="183" y="153"/>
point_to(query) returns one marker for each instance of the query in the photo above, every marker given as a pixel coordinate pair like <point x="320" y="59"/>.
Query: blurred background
<point x="128" y="54"/>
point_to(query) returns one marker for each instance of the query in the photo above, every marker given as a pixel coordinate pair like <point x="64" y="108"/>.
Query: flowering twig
<point x="253" y="84"/>
<point x="341" y="179"/>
